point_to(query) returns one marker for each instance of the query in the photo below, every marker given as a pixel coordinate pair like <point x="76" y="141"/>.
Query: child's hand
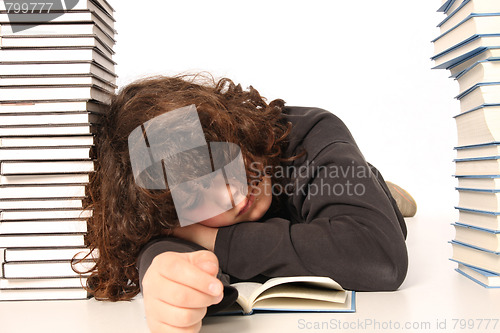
<point x="178" y="288"/>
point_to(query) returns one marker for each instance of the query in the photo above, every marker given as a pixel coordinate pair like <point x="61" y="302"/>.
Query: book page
<point x="245" y="290"/>
<point x="303" y="291"/>
<point x="301" y="305"/>
<point x="314" y="281"/>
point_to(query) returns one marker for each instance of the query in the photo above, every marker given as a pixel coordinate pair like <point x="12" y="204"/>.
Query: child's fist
<point x="178" y="288"/>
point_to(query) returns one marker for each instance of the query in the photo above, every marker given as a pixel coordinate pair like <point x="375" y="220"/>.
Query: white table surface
<point x="433" y="298"/>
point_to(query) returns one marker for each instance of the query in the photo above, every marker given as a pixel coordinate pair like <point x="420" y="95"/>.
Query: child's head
<point x="126" y="216"/>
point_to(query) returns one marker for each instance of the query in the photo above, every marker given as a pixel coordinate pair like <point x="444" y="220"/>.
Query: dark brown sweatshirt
<point x="336" y="218"/>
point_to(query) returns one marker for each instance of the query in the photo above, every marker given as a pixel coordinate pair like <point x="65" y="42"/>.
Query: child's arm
<point x="355" y="238"/>
<point x="178" y="288"/>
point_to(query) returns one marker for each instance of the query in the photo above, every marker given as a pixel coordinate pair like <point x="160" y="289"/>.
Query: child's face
<point x="252" y="208"/>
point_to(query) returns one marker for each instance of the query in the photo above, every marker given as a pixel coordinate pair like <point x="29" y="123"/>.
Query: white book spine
<point x="72" y="153"/>
<point x="29" y="168"/>
<point x="41" y="241"/>
<point x="13" y="215"/>
<point x="38" y="227"/>
<point x="40" y="204"/>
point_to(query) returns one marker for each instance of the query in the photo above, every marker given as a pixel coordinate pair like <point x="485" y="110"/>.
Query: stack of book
<point x="57" y="76"/>
<point x="469" y="47"/>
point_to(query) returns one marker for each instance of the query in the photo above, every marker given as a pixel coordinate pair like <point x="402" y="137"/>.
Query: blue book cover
<point x="449" y="16"/>
<point x="465" y="20"/>
<point x="445" y="6"/>
<point x="482" y="273"/>
<point x="477" y="211"/>
<point x="493" y="59"/>
<point x="496" y="232"/>
<point x="478" y="52"/>
<point x="462" y="57"/>
<point x="486" y="158"/>
<point x="478" y="176"/>
<point x="473" y="279"/>
<point x="474" y="247"/>
<point x="477" y="190"/>
<point x="477" y="108"/>
<point x="477" y="85"/>
<point x="454" y="76"/>
<point x="494" y="143"/>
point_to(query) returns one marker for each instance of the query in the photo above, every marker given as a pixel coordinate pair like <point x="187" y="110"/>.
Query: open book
<point x="297" y="293"/>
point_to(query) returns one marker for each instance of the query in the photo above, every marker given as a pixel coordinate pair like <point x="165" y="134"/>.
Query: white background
<point x="366" y="61"/>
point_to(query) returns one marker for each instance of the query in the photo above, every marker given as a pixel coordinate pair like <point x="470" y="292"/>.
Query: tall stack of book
<point x="57" y="75"/>
<point x="469" y="47"/>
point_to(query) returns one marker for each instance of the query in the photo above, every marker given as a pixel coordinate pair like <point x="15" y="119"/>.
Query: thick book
<point x="52" y="214"/>
<point x="466" y="8"/>
<point x="478" y="151"/>
<point x="43" y="294"/>
<point x="48" y="106"/>
<point x="55" y="92"/>
<point x="477" y="166"/>
<point x="49" y="141"/>
<point x="476" y="256"/>
<point x="60" y="16"/>
<point x="481" y="219"/>
<point x="48" y="130"/>
<point x="56" y="283"/>
<point x="479" y="182"/>
<point x="45" y="179"/>
<point x="42" y="191"/>
<point x="44" y="203"/>
<point x="480" y="94"/>
<point x="464" y="50"/>
<point x="49" y="253"/>
<point x="47" y="118"/>
<point x="48" y="153"/>
<point x="57" y="29"/>
<point x="483" y="277"/>
<point x="42" y="227"/>
<point x="488" y="53"/>
<point x="77" y="68"/>
<point x="481" y="72"/>
<point x="487" y="200"/>
<point x="484" y="238"/>
<point x="59" y="41"/>
<point x="37" y="240"/>
<point x="473" y="24"/>
<point x="55" y="80"/>
<point x="45" y="269"/>
<point x="57" y="54"/>
<point x="478" y="126"/>
<point x="93" y="5"/>
<point x="40" y="168"/>
<point x="292" y="294"/>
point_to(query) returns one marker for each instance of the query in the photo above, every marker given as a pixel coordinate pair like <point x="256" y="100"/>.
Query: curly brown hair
<point x="126" y="216"/>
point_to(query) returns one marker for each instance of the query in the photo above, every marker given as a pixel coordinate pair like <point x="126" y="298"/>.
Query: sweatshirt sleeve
<point x="348" y="229"/>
